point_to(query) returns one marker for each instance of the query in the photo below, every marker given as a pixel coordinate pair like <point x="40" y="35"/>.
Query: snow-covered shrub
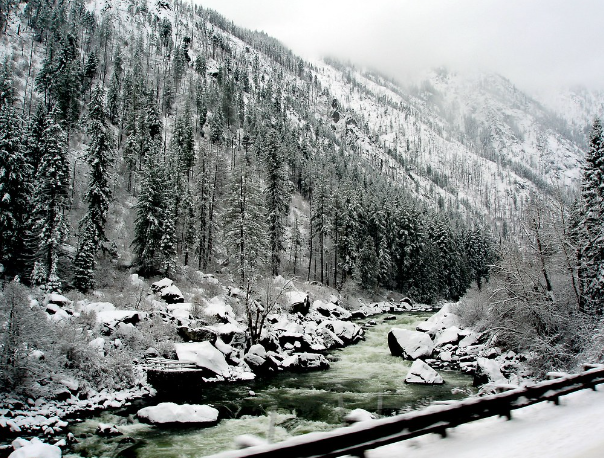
<point x="473" y="309"/>
<point x="159" y="335"/>
<point x="23" y="330"/>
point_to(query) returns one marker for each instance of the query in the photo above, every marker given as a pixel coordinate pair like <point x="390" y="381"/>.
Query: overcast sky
<point x="535" y="43"/>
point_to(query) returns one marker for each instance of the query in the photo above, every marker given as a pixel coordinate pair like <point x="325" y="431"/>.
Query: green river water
<point x="364" y="375"/>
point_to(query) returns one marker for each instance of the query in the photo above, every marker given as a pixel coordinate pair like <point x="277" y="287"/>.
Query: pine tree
<point x="7" y="93"/>
<point x="216" y="128"/>
<point x="15" y="188"/>
<point x="51" y="203"/>
<point x="85" y="260"/>
<point x="154" y="231"/>
<point x="99" y="157"/>
<point x="278" y="195"/>
<point x="183" y="142"/>
<point x="591" y="244"/>
<point x="244" y="220"/>
<point x="367" y="264"/>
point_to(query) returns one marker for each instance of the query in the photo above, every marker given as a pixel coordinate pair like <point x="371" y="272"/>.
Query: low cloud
<point x="536" y="44"/>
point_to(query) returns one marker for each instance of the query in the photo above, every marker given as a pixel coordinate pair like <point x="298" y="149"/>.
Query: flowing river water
<point x="364" y="375"/>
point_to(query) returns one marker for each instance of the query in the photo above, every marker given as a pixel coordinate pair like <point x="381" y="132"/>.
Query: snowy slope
<point x="571" y="430"/>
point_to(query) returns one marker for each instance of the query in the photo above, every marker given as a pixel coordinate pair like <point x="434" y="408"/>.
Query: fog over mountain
<point x="538" y="44"/>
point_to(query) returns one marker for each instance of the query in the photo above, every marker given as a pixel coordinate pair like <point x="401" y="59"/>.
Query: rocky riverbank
<point x="215" y="340"/>
<point x="441" y="344"/>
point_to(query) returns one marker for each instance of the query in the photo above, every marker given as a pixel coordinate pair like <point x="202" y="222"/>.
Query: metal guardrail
<point x="356" y="439"/>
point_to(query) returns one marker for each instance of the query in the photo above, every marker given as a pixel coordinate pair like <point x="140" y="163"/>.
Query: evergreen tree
<point x="15" y="187"/>
<point x="244" y="220"/>
<point x="367" y="264"/>
<point x="99" y="157"/>
<point x="85" y="260"/>
<point x="480" y="254"/>
<point x="183" y="143"/>
<point x="591" y="244"/>
<point x="7" y="93"/>
<point x="278" y="195"/>
<point x="50" y="204"/>
<point x="154" y="231"/>
<point x="216" y="128"/>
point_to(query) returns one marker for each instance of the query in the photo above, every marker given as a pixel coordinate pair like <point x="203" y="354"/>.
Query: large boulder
<point x="409" y="344"/>
<point x="229" y="332"/>
<point x="331" y="310"/>
<point x="346" y="331"/>
<point x="421" y="373"/>
<point x="305" y="362"/>
<point x="34" y="448"/>
<point x="441" y="320"/>
<point x="57" y="299"/>
<point x="447" y="336"/>
<point x="172" y="295"/>
<point x="259" y="360"/>
<point x="357" y="416"/>
<point x="488" y="371"/>
<point x="158" y="286"/>
<point x="217" y="308"/>
<point x="96" y="307"/>
<point x="330" y="340"/>
<point x="204" y="355"/>
<point x="198" y="334"/>
<point x="110" y="320"/>
<point x="170" y="413"/>
<point x="298" y="301"/>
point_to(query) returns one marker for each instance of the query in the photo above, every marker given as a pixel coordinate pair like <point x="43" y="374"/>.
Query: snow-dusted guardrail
<point x="356" y="439"/>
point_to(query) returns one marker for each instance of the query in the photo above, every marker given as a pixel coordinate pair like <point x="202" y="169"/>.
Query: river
<point x="364" y="375"/>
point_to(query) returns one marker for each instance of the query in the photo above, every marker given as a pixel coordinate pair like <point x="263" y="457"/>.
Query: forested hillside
<point x="153" y="136"/>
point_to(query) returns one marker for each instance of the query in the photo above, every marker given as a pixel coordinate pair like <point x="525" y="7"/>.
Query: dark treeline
<point x="224" y="150"/>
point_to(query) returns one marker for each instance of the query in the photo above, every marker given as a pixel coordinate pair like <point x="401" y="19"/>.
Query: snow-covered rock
<point x="107" y="429"/>
<point x="346" y="331"/>
<point x="172" y="295"/>
<point x="295" y="297"/>
<point x="410" y="344"/>
<point x="259" y="360"/>
<point x="205" y="355"/>
<point x="330" y="340"/>
<point x="298" y="301"/>
<point x="331" y="310"/>
<point x="98" y="344"/>
<point x="158" y="286"/>
<point x="447" y="336"/>
<point x="248" y="440"/>
<point x="305" y="361"/>
<point x="421" y="373"/>
<point x="57" y="299"/>
<point x="169" y="412"/>
<point x="226" y="349"/>
<point x="136" y="280"/>
<point x="488" y="371"/>
<point x="96" y="307"/>
<point x="34" y="448"/>
<point x="57" y="313"/>
<point x="114" y="317"/>
<point x="198" y="334"/>
<point x="358" y="415"/>
<point x="470" y="338"/>
<point x="441" y="320"/>
<point x="217" y="307"/>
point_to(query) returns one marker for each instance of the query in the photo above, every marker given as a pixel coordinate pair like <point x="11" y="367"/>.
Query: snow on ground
<point x="571" y="430"/>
